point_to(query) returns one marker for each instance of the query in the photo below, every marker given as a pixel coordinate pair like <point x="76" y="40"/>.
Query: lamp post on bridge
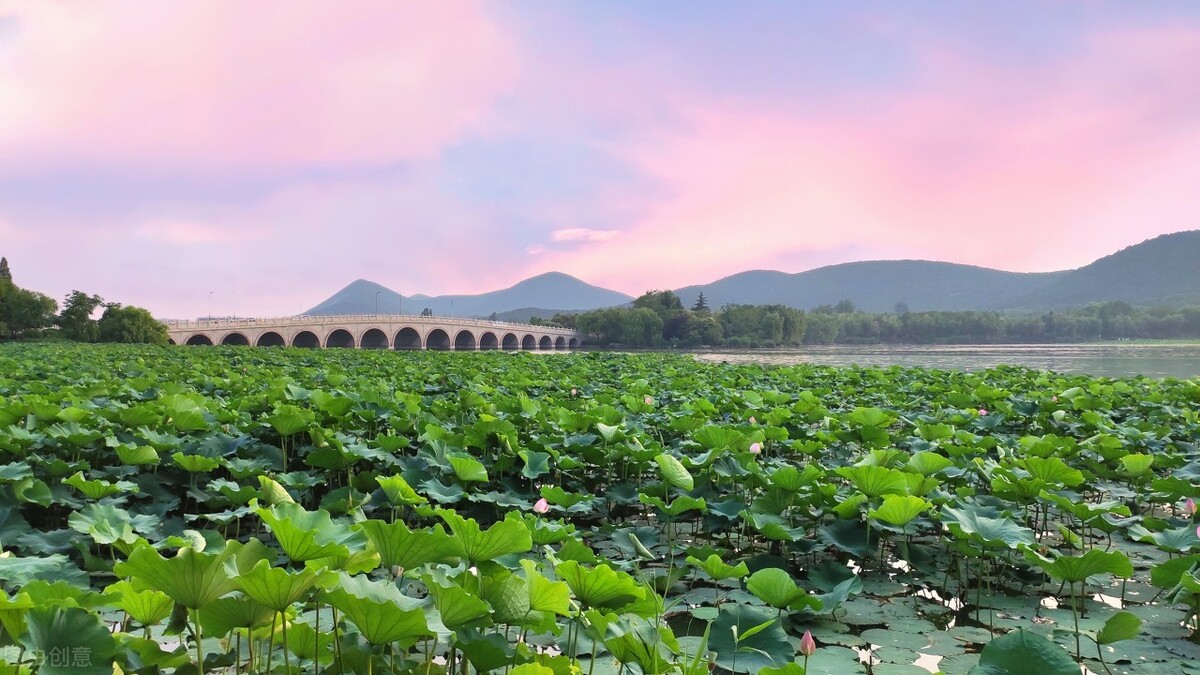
<point x="210" y="306"/>
<point x="376" y="303"/>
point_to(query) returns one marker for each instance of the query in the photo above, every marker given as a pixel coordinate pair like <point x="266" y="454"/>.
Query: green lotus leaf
<point x="399" y="546"/>
<point x="650" y="646"/>
<point x="1021" y="652"/>
<point x="714" y="437"/>
<point x="97" y="489"/>
<point x="776" y="587"/>
<point x="928" y="463"/>
<point x="458" y="608"/>
<point x="546" y="595"/>
<point x="222" y="616"/>
<point x="717" y="569"/>
<point x="675" y="507"/>
<point x="275" y="587"/>
<point x="899" y="510"/>
<point x="478" y="545"/>
<point x="792" y="479"/>
<point x="308" y="535"/>
<point x="379" y="611"/>
<point x="137" y="455"/>
<point x="399" y="492"/>
<point x="748" y="639"/>
<point x="104" y="523"/>
<point x="191" y="579"/>
<point x="1175" y="540"/>
<point x="599" y="586"/>
<point x="273" y="492"/>
<point x="72" y="640"/>
<point x="195" y="463"/>
<point x="13" y="610"/>
<point x="1167" y="573"/>
<point x="147" y="607"/>
<point x="674" y="473"/>
<point x="469" y="469"/>
<point x="1053" y="471"/>
<point x="875" y="481"/>
<point x="1077" y="568"/>
<point x="288" y="419"/>
<point x="1135" y="464"/>
<point x="18" y="571"/>
<point x="536" y="463"/>
<point x="307" y="643"/>
<point x="1120" y="626"/>
<point x="969" y="523"/>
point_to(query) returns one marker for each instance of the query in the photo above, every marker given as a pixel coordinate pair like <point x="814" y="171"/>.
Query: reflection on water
<point x="1108" y="360"/>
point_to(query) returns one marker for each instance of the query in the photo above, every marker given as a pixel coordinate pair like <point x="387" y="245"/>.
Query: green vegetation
<point x="345" y="511"/>
<point x="26" y="314"/>
<point x="658" y="319"/>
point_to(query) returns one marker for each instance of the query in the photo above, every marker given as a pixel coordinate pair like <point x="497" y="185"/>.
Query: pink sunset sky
<point x="273" y="152"/>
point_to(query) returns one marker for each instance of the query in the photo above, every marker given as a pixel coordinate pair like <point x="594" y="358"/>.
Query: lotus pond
<point x="227" y="510"/>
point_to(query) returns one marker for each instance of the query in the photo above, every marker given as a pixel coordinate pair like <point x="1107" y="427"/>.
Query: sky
<point x="227" y="157"/>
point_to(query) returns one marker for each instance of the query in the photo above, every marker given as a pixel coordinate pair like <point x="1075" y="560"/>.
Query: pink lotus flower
<point x="1054" y="399"/>
<point x="574" y="392"/>
<point x="1189" y="507"/>
<point x="542" y="506"/>
<point x="755" y="448"/>
<point x="752" y="420"/>
<point x="983" y="412"/>
<point x="1198" y="531"/>
<point x="649" y="401"/>
<point x="808" y="645"/>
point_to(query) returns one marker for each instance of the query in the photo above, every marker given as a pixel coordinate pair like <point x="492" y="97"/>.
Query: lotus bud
<point x="542" y="506"/>
<point x="1189" y="507"/>
<point x="752" y="420"/>
<point x="807" y="644"/>
<point x="755" y="448"/>
<point x="648" y="400"/>
<point x="983" y="412"/>
<point x="397" y="571"/>
<point x="1054" y="399"/>
<point x="574" y="392"/>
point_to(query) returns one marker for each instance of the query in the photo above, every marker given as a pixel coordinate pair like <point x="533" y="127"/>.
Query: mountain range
<point x="1160" y="271"/>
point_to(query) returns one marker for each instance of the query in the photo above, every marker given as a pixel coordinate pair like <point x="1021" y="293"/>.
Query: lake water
<point x="1118" y="359"/>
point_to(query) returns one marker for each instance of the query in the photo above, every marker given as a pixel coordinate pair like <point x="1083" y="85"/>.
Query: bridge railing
<point x="307" y="320"/>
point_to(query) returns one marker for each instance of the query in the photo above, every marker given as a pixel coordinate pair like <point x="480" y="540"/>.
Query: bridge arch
<point x="199" y="339"/>
<point x="340" y="338"/>
<point x="488" y="341"/>
<point x="573" y="343"/>
<point x="270" y="339"/>
<point x="306" y="339"/>
<point x="545" y="343"/>
<point x="529" y="342"/>
<point x="510" y="342"/>
<point x="373" y="339"/>
<point x="464" y="340"/>
<point x="235" y="339"/>
<point x="560" y="342"/>
<point x="407" y="338"/>
<point x="437" y="339"/>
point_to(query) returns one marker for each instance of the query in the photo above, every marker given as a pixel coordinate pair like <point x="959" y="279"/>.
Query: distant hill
<point x="553" y="289"/>
<point x="1163" y="270"/>
<point x="874" y="286"/>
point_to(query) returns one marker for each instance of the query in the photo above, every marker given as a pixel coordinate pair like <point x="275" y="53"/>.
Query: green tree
<point x="5" y="273"/>
<point x="131" y="324"/>
<point x="663" y="303"/>
<point x="701" y="304"/>
<point x="642" y="327"/>
<point x="75" y="320"/>
<point x="22" y="312"/>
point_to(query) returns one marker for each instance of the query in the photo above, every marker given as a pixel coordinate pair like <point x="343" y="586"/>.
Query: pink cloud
<point x="574" y="234"/>
<point x="1019" y="168"/>
<point x="232" y="84"/>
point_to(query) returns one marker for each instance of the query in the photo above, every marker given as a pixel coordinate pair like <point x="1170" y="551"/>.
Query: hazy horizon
<point x="274" y="154"/>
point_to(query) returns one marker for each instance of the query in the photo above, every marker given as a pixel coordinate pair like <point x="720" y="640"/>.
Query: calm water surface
<point x="1108" y="360"/>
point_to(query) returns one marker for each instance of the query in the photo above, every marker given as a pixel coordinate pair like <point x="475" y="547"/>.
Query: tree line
<point x="659" y="319"/>
<point x="28" y="314"/>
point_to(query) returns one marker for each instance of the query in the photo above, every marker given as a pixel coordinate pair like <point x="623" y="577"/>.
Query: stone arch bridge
<point x="371" y="331"/>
